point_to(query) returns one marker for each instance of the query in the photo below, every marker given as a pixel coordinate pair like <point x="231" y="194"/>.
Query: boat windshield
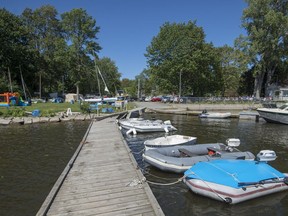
<point x="284" y="107"/>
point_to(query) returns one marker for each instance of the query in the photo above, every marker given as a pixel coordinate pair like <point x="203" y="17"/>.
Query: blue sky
<point x="128" y="26"/>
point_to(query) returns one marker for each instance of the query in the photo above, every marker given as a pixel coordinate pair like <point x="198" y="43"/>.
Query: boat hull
<point x="232" y="195"/>
<point x="146" y="126"/>
<point x="171" y="159"/>
<point x="166" y="141"/>
<point x="215" y="115"/>
<point x="273" y="115"/>
<point x="235" y="181"/>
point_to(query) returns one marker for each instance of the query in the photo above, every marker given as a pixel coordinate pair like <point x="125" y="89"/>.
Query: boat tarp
<point x="232" y="172"/>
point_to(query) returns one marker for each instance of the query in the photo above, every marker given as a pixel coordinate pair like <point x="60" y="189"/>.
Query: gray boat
<point x="275" y="115"/>
<point x="178" y="159"/>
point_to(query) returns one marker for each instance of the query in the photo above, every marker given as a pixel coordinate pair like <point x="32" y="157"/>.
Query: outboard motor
<point x="232" y="143"/>
<point x="266" y="155"/>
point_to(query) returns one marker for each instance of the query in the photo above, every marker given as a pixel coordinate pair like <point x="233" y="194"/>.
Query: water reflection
<point x="32" y="157"/>
<point x="178" y="200"/>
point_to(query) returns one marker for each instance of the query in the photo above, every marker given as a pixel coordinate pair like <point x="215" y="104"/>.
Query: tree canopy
<point x="180" y="60"/>
<point x="266" y="23"/>
<point x="59" y="53"/>
<point x="55" y="53"/>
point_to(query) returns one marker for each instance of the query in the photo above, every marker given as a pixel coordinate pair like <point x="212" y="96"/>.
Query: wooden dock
<point x="101" y="179"/>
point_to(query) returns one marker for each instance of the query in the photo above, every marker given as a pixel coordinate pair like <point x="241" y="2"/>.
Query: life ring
<point x="181" y="100"/>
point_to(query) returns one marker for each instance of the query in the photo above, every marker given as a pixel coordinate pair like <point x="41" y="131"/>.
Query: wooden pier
<point x="101" y="179"/>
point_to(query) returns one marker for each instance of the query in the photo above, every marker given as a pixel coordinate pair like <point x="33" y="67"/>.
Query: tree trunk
<point x="270" y="73"/>
<point x="77" y="91"/>
<point x="258" y="84"/>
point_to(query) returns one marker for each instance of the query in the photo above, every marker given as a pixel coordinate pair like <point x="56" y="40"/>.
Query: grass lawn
<point x="49" y="109"/>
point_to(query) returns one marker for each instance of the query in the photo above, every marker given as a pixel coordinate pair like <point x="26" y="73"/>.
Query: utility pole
<point x="138" y="89"/>
<point x="180" y="84"/>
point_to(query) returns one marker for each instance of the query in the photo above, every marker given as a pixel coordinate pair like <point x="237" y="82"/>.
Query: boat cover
<point x="233" y="173"/>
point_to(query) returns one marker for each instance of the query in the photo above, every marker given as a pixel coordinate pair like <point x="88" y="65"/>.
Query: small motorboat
<point x="215" y="115"/>
<point x="275" y="115"/>
<point x="178" y="159"/>
<point x="235" y="181"/>
<point x="171" y="140"/>
<point x="142" y="126"/>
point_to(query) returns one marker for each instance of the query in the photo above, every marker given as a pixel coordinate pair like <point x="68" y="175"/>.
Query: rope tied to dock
<point x="138" y="152"/>
<point x="165" y="184"/>
<point x="136" y="182"/>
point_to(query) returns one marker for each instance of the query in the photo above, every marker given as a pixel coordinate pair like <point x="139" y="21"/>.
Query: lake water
<point x="33" y="156"/>
<point x="178" y="200"/>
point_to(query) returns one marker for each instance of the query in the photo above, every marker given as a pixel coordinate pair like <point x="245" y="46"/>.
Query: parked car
<point x="147" y="99"/>
<point x="166" y="99"/>
<point x="156" y="98"/>
<point x="142" y="98"/>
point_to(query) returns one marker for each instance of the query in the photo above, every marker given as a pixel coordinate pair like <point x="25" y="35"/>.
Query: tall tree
<point x="231" y="69"/>
<point x="47" y="42"/>
<point x="80" y="30"/>
<point x="129" y="87"/>
<point x="266" y="22"/>
<point x="13" y="51"/>
<point x="146" y="85"/>
<point x="179" y="53"/>
<point x="110" y="74"/>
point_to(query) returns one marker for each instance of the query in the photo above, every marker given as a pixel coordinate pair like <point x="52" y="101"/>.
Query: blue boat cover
<point x="232" y="172"/>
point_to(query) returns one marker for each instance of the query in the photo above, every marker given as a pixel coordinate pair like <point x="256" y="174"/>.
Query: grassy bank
<point x="50" y="109"/>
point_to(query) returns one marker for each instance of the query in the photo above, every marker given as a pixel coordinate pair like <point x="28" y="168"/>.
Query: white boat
<point x="178" y="159"/>
<point x="142" y="126"/>
<point x="215" y="115"/>
<point x="235" y="181"/>
<point x="275" y="115"/>
<point x="93" y="100"/>
<point x="171" y="140"/>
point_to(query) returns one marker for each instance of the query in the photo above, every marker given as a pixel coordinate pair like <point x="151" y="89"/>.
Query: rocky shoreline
<point x="176" y="109"/>
<point x="59" y="118"/>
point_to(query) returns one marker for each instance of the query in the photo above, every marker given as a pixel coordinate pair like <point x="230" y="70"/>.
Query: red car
<point x="155" y="98"/>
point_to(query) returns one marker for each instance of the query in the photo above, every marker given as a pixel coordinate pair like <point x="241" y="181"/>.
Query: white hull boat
<point x="143" y="126"/>
<point x="178" y="159"/>
<point x="275" y="115"/>
<point x="235" y="181"/>
<point x="215" y="115"/>
<point x="171" y="140"/>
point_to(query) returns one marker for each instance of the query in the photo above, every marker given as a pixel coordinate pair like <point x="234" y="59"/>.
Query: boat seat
<point x="186" y="153"/>
<point x="214" y="151"/>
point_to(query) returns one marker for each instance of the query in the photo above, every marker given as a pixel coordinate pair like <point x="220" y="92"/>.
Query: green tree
<point x="47" y="43"/>
<point x="146" y="85"/>
<point x="13" y="51"/>
<point x="179" y="51"/>
<point x="129" y="87"/>
<point x="266" y="23"/>
<point x="110" y="75"/>
<point x="231" y="70"/>
<point x="80" y="30"/>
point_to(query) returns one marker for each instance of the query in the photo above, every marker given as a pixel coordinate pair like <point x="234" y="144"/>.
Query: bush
<point x="85" y="107"/>
<point x="16" y="112"/>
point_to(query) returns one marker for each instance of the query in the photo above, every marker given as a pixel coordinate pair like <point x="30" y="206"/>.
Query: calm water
<point x="178" y="200"/>
<point x="33" y="156"/>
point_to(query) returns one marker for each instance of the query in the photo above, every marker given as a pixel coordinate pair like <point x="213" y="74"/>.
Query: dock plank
<point x="102" y="178"/>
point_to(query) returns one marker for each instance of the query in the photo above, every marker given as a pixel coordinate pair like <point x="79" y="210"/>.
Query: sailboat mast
<point x="22" y="80"/>
<point x="10" y="81"/>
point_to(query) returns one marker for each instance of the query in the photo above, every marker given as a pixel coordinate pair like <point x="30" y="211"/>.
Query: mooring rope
<point x="147" y="173"/>
<point x="138" y="152"/>
<point x="208" y="186"/>
<point x="165" y="184"/>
